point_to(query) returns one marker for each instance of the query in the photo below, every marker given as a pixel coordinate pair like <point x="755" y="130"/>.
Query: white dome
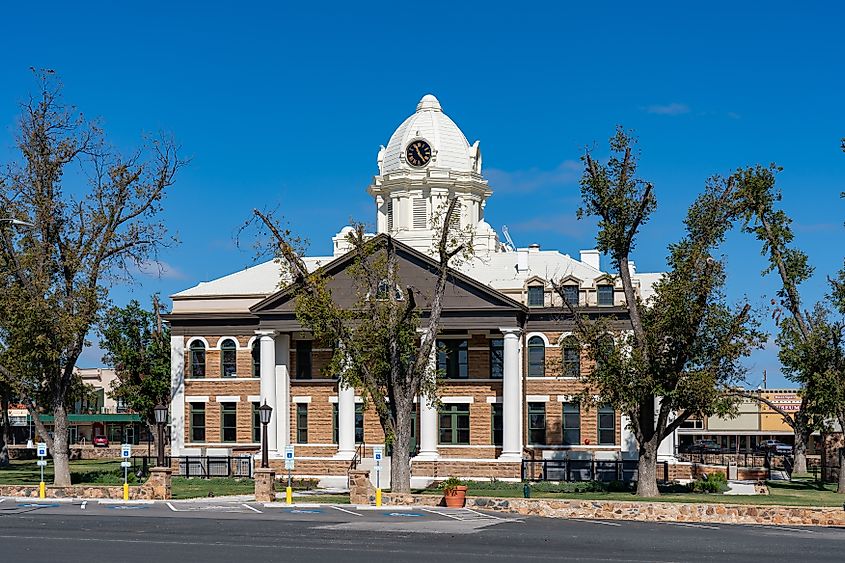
<point x="450" y="149"/>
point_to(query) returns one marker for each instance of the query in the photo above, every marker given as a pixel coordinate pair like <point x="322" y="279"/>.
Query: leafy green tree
<point x="383" y="346"/>
<point x="137" y="345"/>
<point x="95" y="217"/>
<point x="685" y="342"/>
<point x="757" y="201"/>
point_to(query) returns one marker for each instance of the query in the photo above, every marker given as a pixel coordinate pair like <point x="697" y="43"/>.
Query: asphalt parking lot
<point x="223" y="530"/>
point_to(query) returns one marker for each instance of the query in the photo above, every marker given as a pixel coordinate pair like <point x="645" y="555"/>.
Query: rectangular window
<point x="571" y="424"/>
<point x="198" y="422"/>
<point x="537" y="423"/>
<point x="496" y="414"/>
<point x="197" y="360"/>
<point x="334" y="423"/>
<point x="536" y="295"/>
<point x="454" y="424"/>
<point x="419" y="213"/>
<point x="497" y="357"/>
<point x="452" y="358"/>
<point x="607" y="426"/>
<point x="303" y="359"/>
<point x="605" y="295"/>
<point x="359" y="423"/>
<point x="229" y="422"/>
<point x="256" y="423"/>
<point x="256" y="359"/>
<point x="570" y="294"/>
<point x="302" y="423"/>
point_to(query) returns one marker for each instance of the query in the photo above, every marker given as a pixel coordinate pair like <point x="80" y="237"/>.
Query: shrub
<point x="710" y="483"/>
<point x="450" y="485"/>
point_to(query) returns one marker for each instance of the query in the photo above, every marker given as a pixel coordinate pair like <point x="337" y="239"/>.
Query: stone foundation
<point x="265" y="485"/>
<point x="157" y="487"/>
<point x="360" y="489"/>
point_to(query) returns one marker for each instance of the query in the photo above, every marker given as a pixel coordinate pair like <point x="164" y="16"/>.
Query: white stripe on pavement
<point x="346" y="511"/>
<point x="688" y="525"/>
<point x="602" y="522"/>
<point x="173" y="508"/>
<point x="786" y="528"/>
<point x="84" y="503"/>
<point x="442" y="514"/>
<point x="251" y="508"/>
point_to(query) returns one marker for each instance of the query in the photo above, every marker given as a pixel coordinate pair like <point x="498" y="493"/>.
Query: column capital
<point x="510" y="331"/>
<point x="270" y="333"/>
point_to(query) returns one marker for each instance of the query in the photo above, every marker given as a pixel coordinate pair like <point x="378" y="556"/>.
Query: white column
<point x="666" y="449"/>
<point x="282" y="373"/>
<point x="177" y="395"/>
<point x="511" y="397"/>
<point x="345" y="421"/>
<point x="428" y="420"/>
<point x="268" y="385"/>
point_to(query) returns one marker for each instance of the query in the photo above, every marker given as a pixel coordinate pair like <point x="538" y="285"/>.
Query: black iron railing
<point x="203" y="467"/>
<point x="585" y="470"/>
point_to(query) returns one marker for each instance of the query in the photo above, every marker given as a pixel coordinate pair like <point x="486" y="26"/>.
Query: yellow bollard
<point x="126" y="491"/>
<point x="289" y="495"/>
<point x="378" y="497"/>
<point x="42" y="490"/>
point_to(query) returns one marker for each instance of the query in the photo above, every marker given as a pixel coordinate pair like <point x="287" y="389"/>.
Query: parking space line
<point x="2" y="499"/>
<point x="453" y="517"/>
<point x="602" y="522"/>
<point x="786" y="528"/>
<point x="173" y="508"/>
<point x="481" y="514"/>
<point x="83" y="505"/>
<point x="688" y="525"/>
<point x="251" y="508"/>
<point x="346" y="511"/>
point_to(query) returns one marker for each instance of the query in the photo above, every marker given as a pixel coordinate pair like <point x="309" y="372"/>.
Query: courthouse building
<point x="509" y="361"/>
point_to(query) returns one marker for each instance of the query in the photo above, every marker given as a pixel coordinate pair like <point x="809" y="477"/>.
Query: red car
<point x="100" y="441"/>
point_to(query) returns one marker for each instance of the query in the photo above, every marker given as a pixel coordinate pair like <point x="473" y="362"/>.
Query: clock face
<point x="418" y="153"/>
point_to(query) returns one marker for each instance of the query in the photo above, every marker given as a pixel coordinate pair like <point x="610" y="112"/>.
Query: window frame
<point x="229" y="347"/>
<point x="301" y="354"/>
<point x="537" y="434"/>
<point x="198" y="409"/>
<point x="450" y="352"/>
<point x="224" y="412"/>
<point x="532" y="344"/>
<point x="600" y="430"/>
<point x="301" y="429"/>
<point x="497" y="348"/>
<point x="568" y="344"/>
<point x="497" y="415"/>
<point x="572" y="287"/>
<point x="570" y="409"/>
<point x="359" y="423"/>
<point x="532" y="290"/>
<point x="455" y="412"/>
<point x="256" y="423"/>
<point x="196" y="349"/>
<point x="599" y="292"/>
<point x="255" y="354"/>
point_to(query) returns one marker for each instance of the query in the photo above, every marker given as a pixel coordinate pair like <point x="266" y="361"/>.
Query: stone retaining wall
<point x="157" y="487"/>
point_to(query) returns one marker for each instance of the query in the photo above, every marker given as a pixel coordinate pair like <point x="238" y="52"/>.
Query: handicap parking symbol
<point x="125" y="507"/>
<point x="405" y="514"/>
<point x="36" y="505"/>
<point x="303" y="511"/>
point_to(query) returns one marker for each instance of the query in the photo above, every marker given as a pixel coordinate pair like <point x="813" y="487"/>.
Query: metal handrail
<point x="356" y="458"/>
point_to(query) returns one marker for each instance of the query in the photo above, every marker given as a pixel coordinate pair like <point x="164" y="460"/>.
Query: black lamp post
<point x="264" y="413"/>
<point x="161" y="418"/>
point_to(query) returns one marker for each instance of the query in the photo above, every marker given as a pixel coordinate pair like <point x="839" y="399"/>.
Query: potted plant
<point x="454" y="492"/>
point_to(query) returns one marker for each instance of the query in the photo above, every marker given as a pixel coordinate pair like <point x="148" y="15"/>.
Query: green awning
<point x="94" y="418"/>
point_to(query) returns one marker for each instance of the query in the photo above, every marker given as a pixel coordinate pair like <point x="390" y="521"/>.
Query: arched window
<point x="571" y="352"/>
<point x="536" y="357"/>
<point x="228" y="358"/>
<point x="197" y="359"/>
<point x="605" y="351"/>
<point x="256" y="358"/>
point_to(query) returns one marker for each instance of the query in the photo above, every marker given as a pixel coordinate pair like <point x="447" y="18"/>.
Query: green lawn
<point x="795" y="493"/>
<point x="82" y="472"/>
<point x="219" y="486"/>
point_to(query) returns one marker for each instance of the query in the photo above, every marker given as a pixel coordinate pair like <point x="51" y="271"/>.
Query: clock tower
<point x="427" y="160"/>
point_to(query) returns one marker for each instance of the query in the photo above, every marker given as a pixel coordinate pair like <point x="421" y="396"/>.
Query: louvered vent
<point x="419" y="213"/>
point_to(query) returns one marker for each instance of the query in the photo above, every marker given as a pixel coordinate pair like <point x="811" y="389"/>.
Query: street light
<point x="161" y="418"/>
<point x="15" y="222"/>
<point x="264" y="413"/>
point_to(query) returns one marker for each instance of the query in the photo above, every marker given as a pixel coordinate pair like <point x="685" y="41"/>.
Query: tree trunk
<point x="647" y="469"/>
<point x="799" y="450"/>
<point x="6" y="436"/>
<point x="400" y="460"/>
<point x="61" y="454"/>
<point x="841" y="484"/>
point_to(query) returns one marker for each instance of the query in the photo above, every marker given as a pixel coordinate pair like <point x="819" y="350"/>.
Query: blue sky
<point x="284" y="106"/>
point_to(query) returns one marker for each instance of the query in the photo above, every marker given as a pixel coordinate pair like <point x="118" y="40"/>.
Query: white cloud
<point x="668" y="109"/>
<point x="160" y="269"/>
<point x="534" y="179"/>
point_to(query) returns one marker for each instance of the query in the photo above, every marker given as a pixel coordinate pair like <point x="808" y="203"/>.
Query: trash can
<point x="733" y="472"/>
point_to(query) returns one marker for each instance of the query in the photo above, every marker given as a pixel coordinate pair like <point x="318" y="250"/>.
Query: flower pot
<point x="456" y="497"/>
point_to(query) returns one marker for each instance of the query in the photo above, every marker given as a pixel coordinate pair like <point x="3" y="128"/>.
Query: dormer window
<point x="605" y="295"/>
<point x="570" y="294"/>
<point x="536" y="295"/>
